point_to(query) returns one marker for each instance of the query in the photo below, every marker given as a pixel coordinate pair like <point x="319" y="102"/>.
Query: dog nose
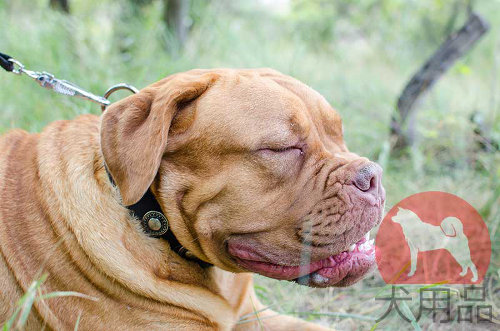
<point x="368" y="178"/>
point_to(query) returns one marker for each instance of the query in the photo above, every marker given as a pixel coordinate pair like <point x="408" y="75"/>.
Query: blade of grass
<point x="254" y="312"/>
<point x="334" y="314"/>
<point x="8" y="325"/>
<point x="258" y="319"/>
<point x="58" y="294"/>
<point x="406" y="310"/>
<point x="257" y="314"/>
<point x="27" y="301"/>
<point x="77" y="322"/>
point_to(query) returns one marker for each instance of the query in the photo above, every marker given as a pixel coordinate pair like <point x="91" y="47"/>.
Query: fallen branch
<point x="457" y="44"/>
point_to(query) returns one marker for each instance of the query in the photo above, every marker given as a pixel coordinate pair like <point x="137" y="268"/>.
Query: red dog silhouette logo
<point x="433" y="237"/>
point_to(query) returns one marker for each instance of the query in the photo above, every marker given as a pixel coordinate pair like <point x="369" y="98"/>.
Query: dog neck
<point x="148" y="205"/>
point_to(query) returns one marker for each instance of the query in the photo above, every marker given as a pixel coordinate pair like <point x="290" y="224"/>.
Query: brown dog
<point x="251" y="170"/>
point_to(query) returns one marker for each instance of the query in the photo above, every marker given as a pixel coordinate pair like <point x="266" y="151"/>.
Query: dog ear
<point x="134" y="130"/>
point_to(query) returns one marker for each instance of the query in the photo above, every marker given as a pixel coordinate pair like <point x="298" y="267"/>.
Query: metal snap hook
<point x="117" y="87"/>
<point x="20" y="66"/>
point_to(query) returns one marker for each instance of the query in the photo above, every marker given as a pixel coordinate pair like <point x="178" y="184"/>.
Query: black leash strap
<point x="5" y="63"/>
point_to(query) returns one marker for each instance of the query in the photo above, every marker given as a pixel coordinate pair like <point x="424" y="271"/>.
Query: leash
<point x="153" y="221"/>
<point x="49" y="81"/>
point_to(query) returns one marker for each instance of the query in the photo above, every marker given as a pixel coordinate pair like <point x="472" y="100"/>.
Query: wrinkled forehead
<point x="269" y="108"/>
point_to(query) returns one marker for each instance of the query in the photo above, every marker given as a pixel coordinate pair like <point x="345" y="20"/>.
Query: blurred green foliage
<point x="358" y="54"/>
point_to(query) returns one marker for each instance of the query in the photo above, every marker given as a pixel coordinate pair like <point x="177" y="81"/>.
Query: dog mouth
<point x="342" y="269"/>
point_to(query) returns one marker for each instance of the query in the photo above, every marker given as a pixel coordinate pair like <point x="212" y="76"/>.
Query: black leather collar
<point x="149" y="212"/>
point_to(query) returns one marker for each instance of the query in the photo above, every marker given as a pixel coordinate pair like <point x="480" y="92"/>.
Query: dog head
<point x="251" y="169"/>
<point x="404" y="215"/>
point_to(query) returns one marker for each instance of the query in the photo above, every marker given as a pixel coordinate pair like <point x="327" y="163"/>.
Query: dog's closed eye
<point x="281" y="160"/>
<point x="281" y="150"/>
<point x="280" y="154"/>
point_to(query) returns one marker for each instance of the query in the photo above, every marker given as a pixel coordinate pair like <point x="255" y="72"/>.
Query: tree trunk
<point x="176" y="16"/>
<point x="60" y="5"/>
<point x="457" y="44"/>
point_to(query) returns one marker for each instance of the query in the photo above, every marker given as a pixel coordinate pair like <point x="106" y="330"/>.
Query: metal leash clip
<point x="48" y="81"/>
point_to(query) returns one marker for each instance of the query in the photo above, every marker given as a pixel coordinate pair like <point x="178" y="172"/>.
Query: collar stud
<point x="154" y="223"/>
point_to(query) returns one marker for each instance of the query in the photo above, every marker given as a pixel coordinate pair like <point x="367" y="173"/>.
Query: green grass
<point x="34" y="293"/>
<point x="360" y="64"/>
